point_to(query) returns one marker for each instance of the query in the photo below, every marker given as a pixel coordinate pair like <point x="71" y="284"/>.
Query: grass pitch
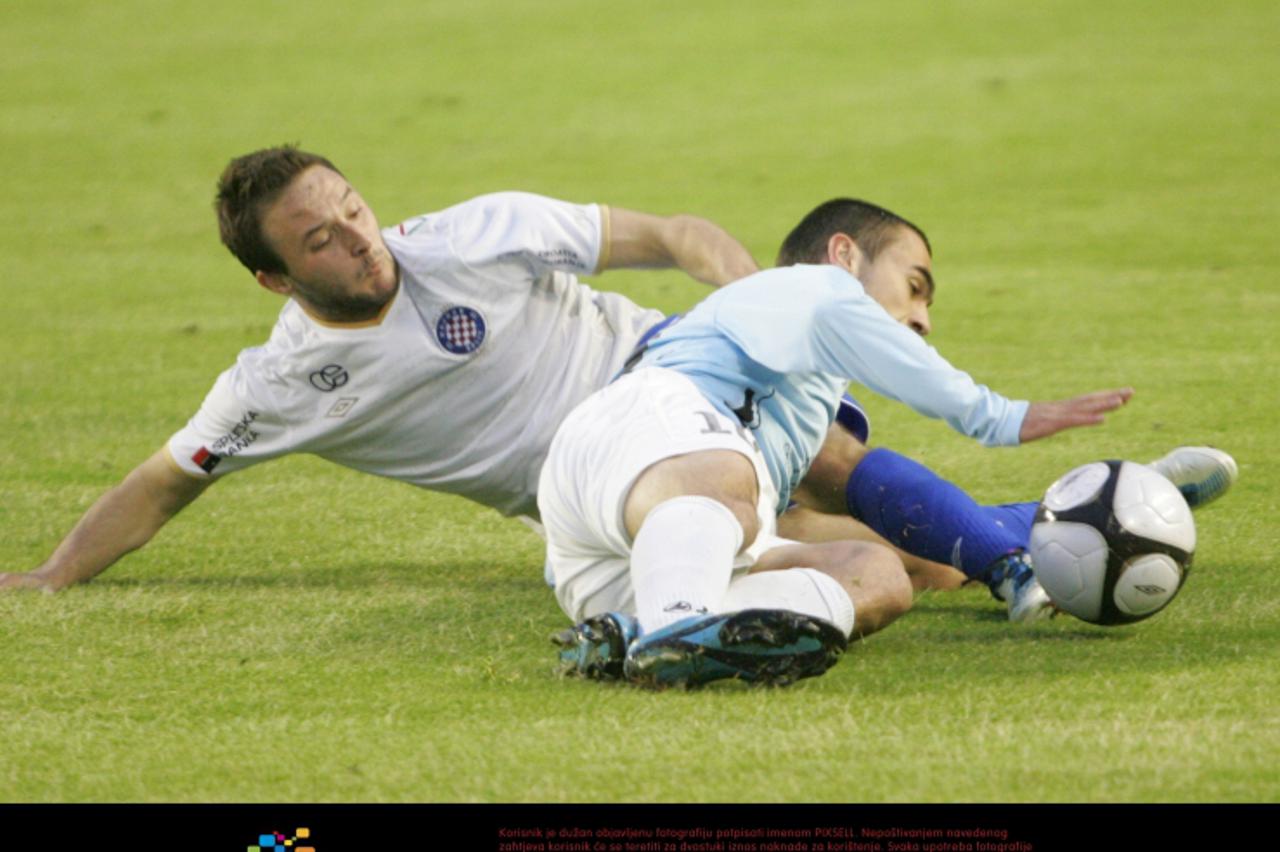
<point x="1100" y="183"/>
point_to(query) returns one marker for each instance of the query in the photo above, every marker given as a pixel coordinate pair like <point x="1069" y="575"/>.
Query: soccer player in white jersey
<point x="659" y="491"/>
<point x="443" y="351"/>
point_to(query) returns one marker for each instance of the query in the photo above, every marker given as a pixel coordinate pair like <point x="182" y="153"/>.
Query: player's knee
<point x="890" y="577"/>
<point x="877" y="583"/>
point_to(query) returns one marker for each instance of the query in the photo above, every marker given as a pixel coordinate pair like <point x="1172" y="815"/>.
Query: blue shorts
<point x="851" y="416"/>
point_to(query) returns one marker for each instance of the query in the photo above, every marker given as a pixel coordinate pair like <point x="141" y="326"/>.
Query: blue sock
<point x="925" y="515"/>
<point x="1015" y="517"/>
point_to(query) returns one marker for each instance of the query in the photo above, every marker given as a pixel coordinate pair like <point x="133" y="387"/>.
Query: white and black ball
<point x="1112" y="542"/>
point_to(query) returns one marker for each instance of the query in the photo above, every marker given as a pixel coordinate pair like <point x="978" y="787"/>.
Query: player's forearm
<point x="706" y="252"/>
<point x="122" y="520"/>
<point x="702" y="249"/>
<point x="117" y="524"/>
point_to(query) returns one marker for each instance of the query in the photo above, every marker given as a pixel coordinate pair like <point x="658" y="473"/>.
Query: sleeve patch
<point x="206" y="460"/>
<point x="235" y="441"/>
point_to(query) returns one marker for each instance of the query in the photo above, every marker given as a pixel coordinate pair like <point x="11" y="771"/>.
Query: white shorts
<point x="600" y="450"/>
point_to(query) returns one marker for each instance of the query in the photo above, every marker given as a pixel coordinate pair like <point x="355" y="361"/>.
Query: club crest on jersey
<point x="461" y="330"/>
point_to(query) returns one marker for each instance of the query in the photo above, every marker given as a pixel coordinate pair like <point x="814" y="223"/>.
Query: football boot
<point x="596" y="648"/>
<point x="1012" y="580"/>
<point x="1202" y="474"/>
<point x="765" y="646"/>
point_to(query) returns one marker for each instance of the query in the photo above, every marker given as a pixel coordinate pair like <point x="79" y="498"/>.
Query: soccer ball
<point x="1112" y="542"/>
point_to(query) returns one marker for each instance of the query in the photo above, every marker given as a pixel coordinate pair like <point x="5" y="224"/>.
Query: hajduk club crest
<point x="461" y="330"/>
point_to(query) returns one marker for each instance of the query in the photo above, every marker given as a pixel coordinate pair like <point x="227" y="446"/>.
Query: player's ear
<point x="274" y="281"/>
<point x="843" y="251"/>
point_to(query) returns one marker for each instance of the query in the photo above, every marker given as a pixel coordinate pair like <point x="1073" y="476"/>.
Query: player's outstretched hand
<point x="1046" y="418"/>
<point x="36" y="579"/>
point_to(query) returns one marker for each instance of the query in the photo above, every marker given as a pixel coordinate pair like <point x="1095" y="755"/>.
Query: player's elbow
<point x="160" y="488"/>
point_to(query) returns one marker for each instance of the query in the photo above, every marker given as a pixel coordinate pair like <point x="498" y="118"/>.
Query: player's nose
<point x="358" y="242"/>
<point x="919" y="321"/>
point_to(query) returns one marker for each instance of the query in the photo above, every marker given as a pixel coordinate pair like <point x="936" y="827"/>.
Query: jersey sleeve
<point x="544" y="233"/>
<point x="818" y="318"/>
<point x="235" y="428"/>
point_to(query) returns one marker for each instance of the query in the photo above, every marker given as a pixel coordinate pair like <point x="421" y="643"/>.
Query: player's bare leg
<point x="725" y="476"/>
<point x="823" y="487"/>
<point x="871" y="574"/>
<point x="801" y="523"/>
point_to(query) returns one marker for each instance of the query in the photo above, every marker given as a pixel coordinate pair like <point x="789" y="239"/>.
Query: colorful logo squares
<point x="277" y="842"/>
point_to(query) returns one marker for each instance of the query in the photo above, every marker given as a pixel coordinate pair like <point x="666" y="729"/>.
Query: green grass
<point x="1101" y="184"/>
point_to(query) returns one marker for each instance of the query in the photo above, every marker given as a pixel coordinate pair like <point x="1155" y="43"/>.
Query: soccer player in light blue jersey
<point x="850" y="300"/>
<point x="650" y="474"/>
<point x="660" y="490"/>
<point x="774" y="353"/>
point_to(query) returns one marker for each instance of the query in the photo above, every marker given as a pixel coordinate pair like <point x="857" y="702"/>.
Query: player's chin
<point x="377" y="283"/>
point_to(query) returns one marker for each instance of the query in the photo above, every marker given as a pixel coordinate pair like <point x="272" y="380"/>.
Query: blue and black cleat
<point x="767" y="646"/>
<point x="596" y="648"/>
<point x="1011" y="579"/>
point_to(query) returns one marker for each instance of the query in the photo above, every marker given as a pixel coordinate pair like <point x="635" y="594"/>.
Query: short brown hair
<point x="871" y="226"/>
<point x="248" y="184"/>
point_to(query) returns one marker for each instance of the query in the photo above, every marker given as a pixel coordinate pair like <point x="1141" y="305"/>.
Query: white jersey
<point x="460" y="385"/>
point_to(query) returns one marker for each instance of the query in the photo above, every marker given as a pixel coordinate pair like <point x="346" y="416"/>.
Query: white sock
<point x="682" y="560"/>
<point x="803" y="590"/>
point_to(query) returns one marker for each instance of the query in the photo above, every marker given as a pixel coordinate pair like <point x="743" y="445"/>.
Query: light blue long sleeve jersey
<point x="778" y="348"/>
